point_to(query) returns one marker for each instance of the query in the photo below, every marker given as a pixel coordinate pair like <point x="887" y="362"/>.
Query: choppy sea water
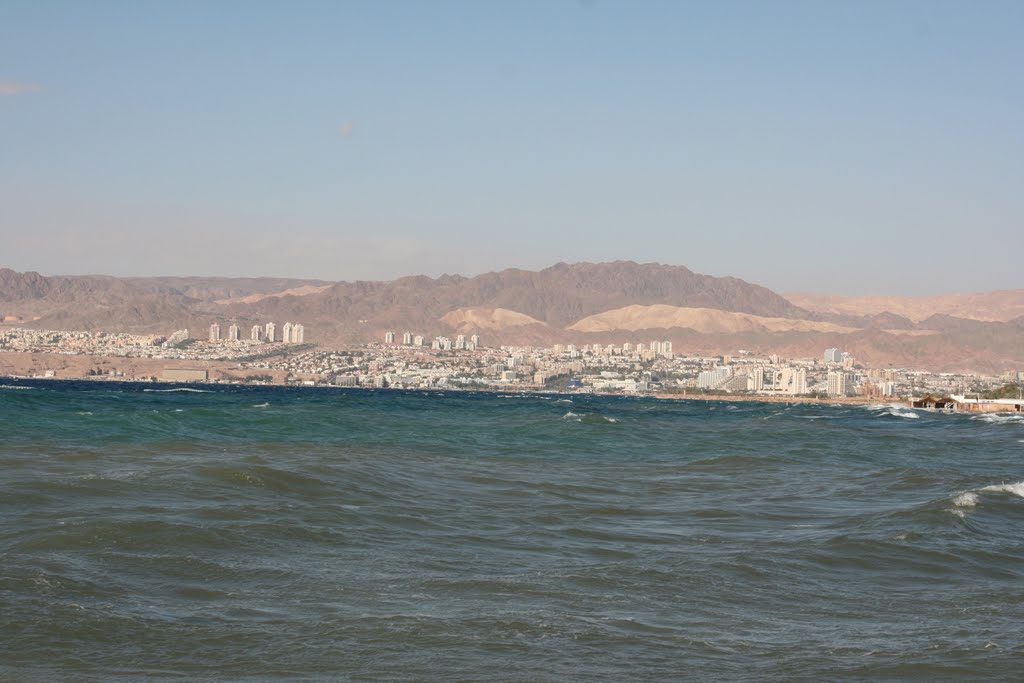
<point x="310" y="534"/>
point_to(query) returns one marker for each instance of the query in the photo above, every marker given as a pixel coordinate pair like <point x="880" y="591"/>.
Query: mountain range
<point x="566" y="303"/>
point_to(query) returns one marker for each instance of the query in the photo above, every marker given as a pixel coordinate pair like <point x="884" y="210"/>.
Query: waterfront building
<point x="836" y="383"/>
<point x="215" y="332"/>
<point x="713" y="379"/>
<point x="755" y="379"/>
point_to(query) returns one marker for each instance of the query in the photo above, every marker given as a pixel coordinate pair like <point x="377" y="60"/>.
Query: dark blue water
<point x="310" y="534"/>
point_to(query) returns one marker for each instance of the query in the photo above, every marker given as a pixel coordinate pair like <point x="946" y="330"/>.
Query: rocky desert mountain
<point x="1000" y="306"/>
<point x="566" y="303"/>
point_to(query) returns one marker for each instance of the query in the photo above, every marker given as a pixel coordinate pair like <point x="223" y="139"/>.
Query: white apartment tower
<point x="233" y="332"/>
<point x="215" y="332"/>
<point x="755" y="379"/>
<point x="286" y="333"/>
<point x="475" y="340"/>
<point x="460" y="341"/>
<point x="836" y="383"/>
<point x="407" y="338"/>
<point x="256" y="333"/>
<point x="389" y="337"/>
<point x="270" y="330"/>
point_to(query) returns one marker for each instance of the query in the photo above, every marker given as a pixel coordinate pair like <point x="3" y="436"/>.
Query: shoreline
<point x="734" y="398"/>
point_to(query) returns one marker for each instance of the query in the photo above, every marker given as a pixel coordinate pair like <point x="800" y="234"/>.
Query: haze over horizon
<point x="858" y="148"/>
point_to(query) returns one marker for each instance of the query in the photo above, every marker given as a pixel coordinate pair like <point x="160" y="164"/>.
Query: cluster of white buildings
<point x="290" y="333"/>
<point x="461" y="343"/>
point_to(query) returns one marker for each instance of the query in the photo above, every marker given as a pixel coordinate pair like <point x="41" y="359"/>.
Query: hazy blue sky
<point x="857" y="147"/>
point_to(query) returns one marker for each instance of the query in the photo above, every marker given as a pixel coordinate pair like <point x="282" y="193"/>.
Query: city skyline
<point x="873" y="148"/>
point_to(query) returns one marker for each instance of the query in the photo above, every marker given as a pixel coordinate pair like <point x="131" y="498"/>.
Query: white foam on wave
<point x="262" y="405"/>
<point x="895" y="410"/>
<point x="968" y="499"/>
<point x="590" y="417"/>
<point x="12" y="386"/>
<point x="1000" y="418"/>
<point x="185" y="389"/>
<point x="1016" y="489"/>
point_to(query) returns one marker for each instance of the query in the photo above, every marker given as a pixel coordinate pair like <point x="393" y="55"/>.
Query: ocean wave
<point x="893" y="410"/>
<point x="262" y="405"/>
<point x="12" y="386"/>
<point x="588" y="418"/>
<point x="179" y="389"/>
<point x="968" y="499"/>
<point x="1000" y="418"/>
<point x="1016" y="489"/>
<point x="971" y="499"/>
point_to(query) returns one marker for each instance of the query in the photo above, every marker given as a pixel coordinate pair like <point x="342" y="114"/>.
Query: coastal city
<point x="409" y="360"/>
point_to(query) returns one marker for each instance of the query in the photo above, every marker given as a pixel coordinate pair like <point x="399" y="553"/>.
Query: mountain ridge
<point x="579" y="302"/>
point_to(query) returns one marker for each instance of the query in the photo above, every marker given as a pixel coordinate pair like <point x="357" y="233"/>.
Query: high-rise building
<point x="755" y="379"/>
<point x="233" y="332"/>
<point x="460" y="341"/>
<point x="666" y="349"/>
<point x="833" y="356"/>
<point x="407" y="338"/>
<point x="270" y="330"/>
<point x="712" y="379"/>
<point x="476" y="340"/>
<point x="799" y="385"/>
<point x="298" y="333"/>
<point x="836" y="383"/>
<point x="215" y="332"/>
<point x="417" y="340"/>
<point x="255" y="334"/>
<point x="656" y="348"/>
<point x="286" y="333"/>
<point x="389" y="337"/>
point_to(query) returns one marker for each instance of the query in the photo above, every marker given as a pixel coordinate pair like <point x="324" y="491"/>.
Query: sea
<point x="236" y="533"/>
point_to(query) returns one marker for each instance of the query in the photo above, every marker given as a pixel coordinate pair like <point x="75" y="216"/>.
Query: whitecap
<point x="187" y="389"/>
<point x="262" y="405"/>
<point x="896" y="410"/>
<point x="967" y="499"/>
<point x="1000" y="418"/>
<point x="1016" y="489"/>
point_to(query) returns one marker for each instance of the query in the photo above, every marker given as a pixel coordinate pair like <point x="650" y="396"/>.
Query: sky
<point x="833" y="147"/>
